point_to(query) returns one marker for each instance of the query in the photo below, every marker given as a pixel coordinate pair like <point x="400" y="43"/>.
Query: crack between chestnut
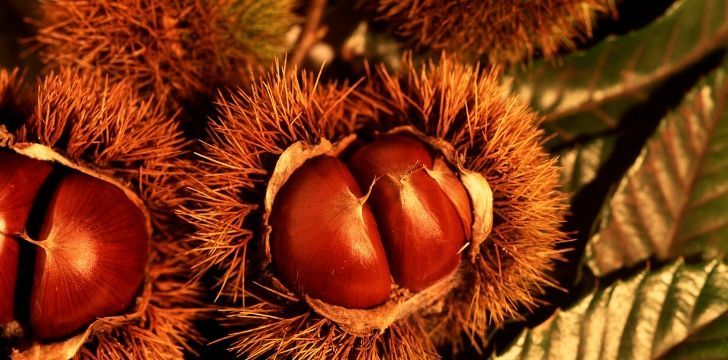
<point x="27" y="250"/>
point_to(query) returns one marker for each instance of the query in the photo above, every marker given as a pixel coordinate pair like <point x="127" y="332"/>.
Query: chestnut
<point x="326" y="232"/>
<point x="97" y="272"/>
<point x="91" y="256"/>
<point x="333" y="243"/>
<point x="9" y="268"/>
<point x="20" y="181"/>
<point x="419" y="223"/>
<point x="91" y="251"/>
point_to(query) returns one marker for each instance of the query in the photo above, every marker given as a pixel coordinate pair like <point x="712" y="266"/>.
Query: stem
<point x="309" y="34"/>
<point x="40" y="244"/>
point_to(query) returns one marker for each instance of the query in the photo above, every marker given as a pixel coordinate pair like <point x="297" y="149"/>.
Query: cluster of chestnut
<point x="391" y="211"/>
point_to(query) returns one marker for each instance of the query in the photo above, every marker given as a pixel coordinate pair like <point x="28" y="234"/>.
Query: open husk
<point x="490" y="139"/>
<point x="104" y="130"/>
<point x="402" y="303"/>
<point x="66" y="349"/>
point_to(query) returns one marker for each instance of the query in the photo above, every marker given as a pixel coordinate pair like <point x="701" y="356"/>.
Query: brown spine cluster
<point x="15" y="103"/>
<point x="453" y="105"/>
<point x="497" y="137"/>
<point x="180" y="48"/>
<point x="500" y="31"/>
<point x="101" y="133"/>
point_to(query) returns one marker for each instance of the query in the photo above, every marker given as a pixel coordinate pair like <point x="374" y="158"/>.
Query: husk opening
<point x="495" y="137"/>
<point x="103" y="125"/>
<point x="402" y="303"/>
<point x="66" y="349"/>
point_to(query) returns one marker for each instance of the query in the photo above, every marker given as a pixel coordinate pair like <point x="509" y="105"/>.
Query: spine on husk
<point x="179" y="51"/>
<point x="499" y="32"/>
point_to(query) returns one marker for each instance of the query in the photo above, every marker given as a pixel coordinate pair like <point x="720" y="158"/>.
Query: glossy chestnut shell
<point x="347" y="231"/>
<point x="86" y="240"/>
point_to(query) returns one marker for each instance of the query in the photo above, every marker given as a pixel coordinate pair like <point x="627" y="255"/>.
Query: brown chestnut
<point x="9" y="272"/>
<point x="328" y="237"/>
<point x="420" y="226"/>
<point x="332" y="243"/>
<point x="20" y="181"/>
<point x="90" y="253"/>
<point x="91" y="258"/>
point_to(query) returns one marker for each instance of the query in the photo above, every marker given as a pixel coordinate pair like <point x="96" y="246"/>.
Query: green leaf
<point x="678" y="312"/>
<point x="581" y="163"/>
<point x="674" y="200"/>
<point x="708" y="343"/>
<point x="589" y="91"/>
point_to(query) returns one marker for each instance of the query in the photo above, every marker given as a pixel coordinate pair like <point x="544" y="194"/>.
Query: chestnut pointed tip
<point x="42" y="245"/>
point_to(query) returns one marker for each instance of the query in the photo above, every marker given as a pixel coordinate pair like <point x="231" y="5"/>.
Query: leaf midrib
<point x="662" y="73"/>
<point x="717" y="117"/>
<point x="692" y="331"/>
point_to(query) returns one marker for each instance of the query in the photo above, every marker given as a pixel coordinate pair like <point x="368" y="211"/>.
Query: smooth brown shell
<point x="9" y="268"/>
<point x="20" y="180"/>
<point x="324" y="239"/>
<point x="401" y="303"/>
<point x="69" y="347"/>
<point x="93" y="242"/>
<point x="420" y="226"/>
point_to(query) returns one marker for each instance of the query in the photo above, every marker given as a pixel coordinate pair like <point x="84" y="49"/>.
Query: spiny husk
<point x="401" y="303"/>
<point x="500" y="31"/>
<point x="183" y="48"/>
<point x="495" y="136"/>
<point x="255" y="127"/>
<point x="499" y="138"/>
<point x="277" y="326"/>
<point x="16" y="103"/>
<point x="106" y="130"/>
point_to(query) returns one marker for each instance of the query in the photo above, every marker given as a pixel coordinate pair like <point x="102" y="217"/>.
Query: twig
<point x="309" y="34"/>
